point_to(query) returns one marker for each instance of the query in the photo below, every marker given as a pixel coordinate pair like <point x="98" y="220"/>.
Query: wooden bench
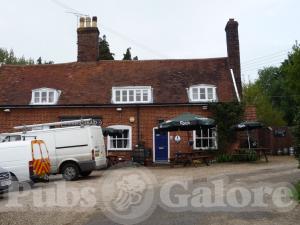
<point x="204" y="158"/>
<point x="189" y="159"/>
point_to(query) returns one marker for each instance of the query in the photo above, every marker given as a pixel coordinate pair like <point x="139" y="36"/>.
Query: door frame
<point x="153" y="136"/>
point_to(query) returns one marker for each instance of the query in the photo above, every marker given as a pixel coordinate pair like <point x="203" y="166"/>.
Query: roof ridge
<point x="115" y="61"/>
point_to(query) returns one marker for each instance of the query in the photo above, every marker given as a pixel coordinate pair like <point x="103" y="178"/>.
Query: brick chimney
<point x="88" y="40"/>
<point x="233" y="50"/>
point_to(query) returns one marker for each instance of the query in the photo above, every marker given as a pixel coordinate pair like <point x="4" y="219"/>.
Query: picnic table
<point x="259" y="151"/>
<point x="189" y="158"/>
<point x="114" y="159"/>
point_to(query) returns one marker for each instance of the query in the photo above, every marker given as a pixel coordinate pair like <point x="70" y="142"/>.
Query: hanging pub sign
<point x="177" y="139"/>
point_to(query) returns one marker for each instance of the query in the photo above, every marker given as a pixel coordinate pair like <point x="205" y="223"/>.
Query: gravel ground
<point x="80" y="211"/>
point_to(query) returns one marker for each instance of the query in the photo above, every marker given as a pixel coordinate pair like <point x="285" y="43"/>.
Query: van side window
<point x="36" y="151"/>
<point x="44" y="150"/>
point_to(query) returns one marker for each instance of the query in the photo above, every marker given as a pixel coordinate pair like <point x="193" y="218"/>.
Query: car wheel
<point x="15" y="185"/>
<point x="86" y="173"/>
<point x="70" y="172"/>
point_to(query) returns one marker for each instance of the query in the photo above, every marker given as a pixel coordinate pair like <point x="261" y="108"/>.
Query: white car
<point x="5" y="180"/>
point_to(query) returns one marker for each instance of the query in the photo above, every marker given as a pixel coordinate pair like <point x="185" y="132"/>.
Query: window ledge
<point x="119" y="150"/>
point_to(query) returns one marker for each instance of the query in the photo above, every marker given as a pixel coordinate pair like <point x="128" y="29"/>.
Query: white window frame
<point x="56" y="94"/>
<point x="212" y="137"/>
<point x="199" y="87"/>
<point x="120" y="127"/>
<point x="135" y="89"/>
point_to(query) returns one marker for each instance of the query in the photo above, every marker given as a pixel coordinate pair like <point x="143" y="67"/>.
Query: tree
<point x="104" y="50"/>
<point x="291" y="70"/>
<point x="39" y="61"/>
<point x="8" y="57"/>
<point x="266" y="113"/>
<point x="276" y="93"/>
<point x="127" y="55"/>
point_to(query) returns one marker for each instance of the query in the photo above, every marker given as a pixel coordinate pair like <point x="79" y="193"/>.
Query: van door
<point x="97" y="141"/>
<point x="49" y="140"/>
<point x="40" y="160"/>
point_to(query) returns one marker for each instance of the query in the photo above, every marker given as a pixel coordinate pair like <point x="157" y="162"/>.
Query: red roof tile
<point x="91" y="83"/>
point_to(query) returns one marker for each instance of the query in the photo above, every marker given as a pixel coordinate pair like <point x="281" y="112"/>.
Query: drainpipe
<point x="235" y="86"/>
<point x="138" y="125"/>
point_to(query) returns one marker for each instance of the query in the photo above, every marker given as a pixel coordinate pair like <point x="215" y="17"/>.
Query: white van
<point x="26" y="161"/>
<point x="73" y="151"/>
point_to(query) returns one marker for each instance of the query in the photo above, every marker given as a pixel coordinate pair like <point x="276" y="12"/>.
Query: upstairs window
<point x="131" y="95"/>
<point x="45" y="96"/>
<point x="202" y="93"/>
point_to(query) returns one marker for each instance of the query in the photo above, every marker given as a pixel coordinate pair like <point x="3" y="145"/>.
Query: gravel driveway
<point x="79" y="203"/>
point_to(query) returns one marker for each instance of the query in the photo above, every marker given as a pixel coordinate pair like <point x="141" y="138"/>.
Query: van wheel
<point x="86" y="173"/>
<point x="70" y="172"/>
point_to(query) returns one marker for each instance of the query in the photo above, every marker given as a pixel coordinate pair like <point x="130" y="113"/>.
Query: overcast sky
<point x="154" y="28"/>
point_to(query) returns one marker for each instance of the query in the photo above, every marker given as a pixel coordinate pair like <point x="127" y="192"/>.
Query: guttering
<point x="107" y="105"/>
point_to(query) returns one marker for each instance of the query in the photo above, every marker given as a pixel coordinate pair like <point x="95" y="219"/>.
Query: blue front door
<point x="161" y="146"/>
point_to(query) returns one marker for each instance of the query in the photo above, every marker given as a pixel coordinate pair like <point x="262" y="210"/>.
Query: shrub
<point x="296" y="192"/>
<point x="243" y="156"/>
<point x="226" y="115"/>
<point x="222" y="158"/>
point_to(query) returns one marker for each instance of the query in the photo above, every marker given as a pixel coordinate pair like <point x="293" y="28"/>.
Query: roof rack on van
<point x="82" y="123"/>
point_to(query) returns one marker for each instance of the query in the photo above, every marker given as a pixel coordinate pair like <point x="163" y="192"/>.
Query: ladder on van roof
<point x="83" y="122"/>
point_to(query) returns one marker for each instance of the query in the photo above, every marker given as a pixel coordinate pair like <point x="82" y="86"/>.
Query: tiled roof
<point x="91" y="83"/>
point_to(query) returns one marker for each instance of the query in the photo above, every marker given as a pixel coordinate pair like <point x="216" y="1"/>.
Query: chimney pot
<point x="81" y="22"/>
<point x="88" y="21"/>
<point x="94" y="21"/>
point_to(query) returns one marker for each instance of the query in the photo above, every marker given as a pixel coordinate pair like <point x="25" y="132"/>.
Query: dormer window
<point x="132" y="95"/>
<point x="202" y="93"/>
<point x="45" y="96"/>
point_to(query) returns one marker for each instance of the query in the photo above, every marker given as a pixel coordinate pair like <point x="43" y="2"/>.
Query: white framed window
<point x="203" y="93"/>
<point x="132" y="95"/>
<point x="45" y="96"/>
<point x="205" y="138"/>
<point x="121" y="142"/>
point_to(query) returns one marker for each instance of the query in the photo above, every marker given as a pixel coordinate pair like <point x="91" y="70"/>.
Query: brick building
<point x="130" y="95"/>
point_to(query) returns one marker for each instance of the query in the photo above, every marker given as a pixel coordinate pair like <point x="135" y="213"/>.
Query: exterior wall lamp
<point x="131" y="119"/>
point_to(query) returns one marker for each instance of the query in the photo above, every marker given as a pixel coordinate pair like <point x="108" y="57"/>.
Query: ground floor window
<point x="121" y="141"/>
<point x="205" y="138"/>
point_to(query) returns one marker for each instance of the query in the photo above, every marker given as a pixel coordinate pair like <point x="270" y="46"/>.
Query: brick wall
<point x="88" y="44"/>
<point x="149" y="119"/>
<point x="233" y="50"/>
